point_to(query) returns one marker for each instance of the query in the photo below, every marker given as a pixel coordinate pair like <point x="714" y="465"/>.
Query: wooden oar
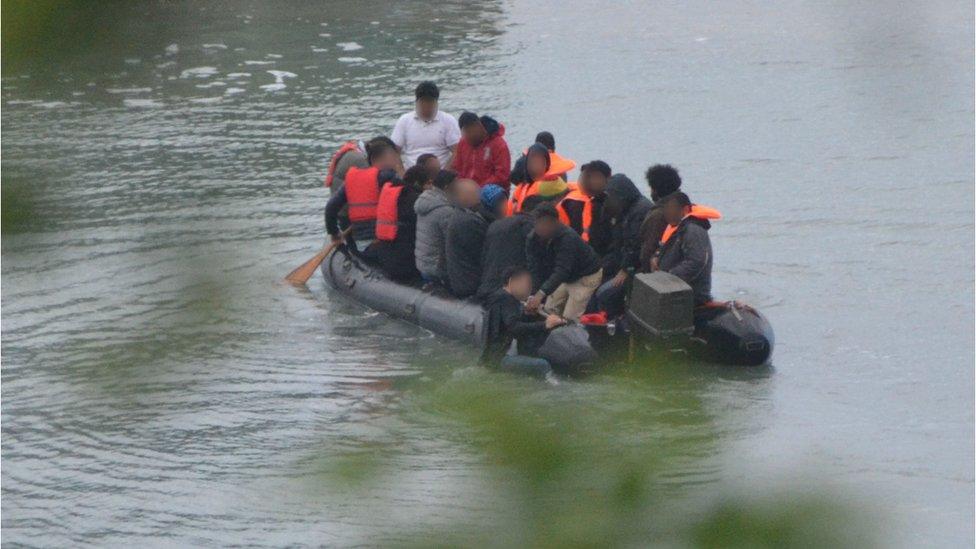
<point x="304" y="272"/>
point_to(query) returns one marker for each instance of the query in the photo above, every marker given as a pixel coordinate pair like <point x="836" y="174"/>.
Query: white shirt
<point x="415" y="136"/>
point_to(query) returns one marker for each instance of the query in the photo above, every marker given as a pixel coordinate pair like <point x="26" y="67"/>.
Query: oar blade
<point x="304" y="272"/>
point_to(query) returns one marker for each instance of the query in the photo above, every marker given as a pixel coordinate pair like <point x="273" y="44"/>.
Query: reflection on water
<point x="160" y="385"/>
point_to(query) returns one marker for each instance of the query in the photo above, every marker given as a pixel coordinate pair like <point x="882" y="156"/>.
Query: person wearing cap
<point x="426" y="129"/>
<point x="565" y="270"/>
<point x="482" y="153"/>
<point x="588" y="209"/>
<point x="465" y="238"/>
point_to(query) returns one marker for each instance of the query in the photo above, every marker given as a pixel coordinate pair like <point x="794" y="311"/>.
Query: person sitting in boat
<point x="543" y="171"/>
<point x="589" y="210"/>
<point x="686" y="250"/>
<point x="519" y="173"/>
<point x="434" y="213"/>
<point x="663" y="181"/>
<point x="396" y="226"/>
<point x="565" y="270"/>
<point x="504" y="246"/>
<point x="426" y="129"/>
<point x="482" y="154"/>
<point x="431" y="163"/>
<point x="508" y="321"/>
<point x="361" y="194"/>
<point x="465" y="238"/>
<point x="624" y="258"/>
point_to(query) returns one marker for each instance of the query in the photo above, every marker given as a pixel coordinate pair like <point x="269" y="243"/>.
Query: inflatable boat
<point x="660" y="316"/>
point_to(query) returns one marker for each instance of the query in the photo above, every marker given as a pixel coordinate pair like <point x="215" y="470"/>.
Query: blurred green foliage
<point x="19" y="210"/>
<point x="44" y="31"/>
<point x="42" y="34"/>
<point x="589" y="473"/>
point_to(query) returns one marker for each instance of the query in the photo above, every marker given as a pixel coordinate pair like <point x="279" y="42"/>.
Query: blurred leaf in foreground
<point x="613" y="469"/>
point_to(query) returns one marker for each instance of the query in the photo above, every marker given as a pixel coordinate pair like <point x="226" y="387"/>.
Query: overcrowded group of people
<point x="439" y="204"/>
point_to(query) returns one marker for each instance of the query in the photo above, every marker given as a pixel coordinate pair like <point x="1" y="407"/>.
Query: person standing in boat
<point x="426" y="129"/>
<point x="565" y="270"/>
<point x="663" y="181"/>
<point x="396" y="226"/>
<point x="361" y="194"/>
<point x="434" y="213"/>
<point x="589" y="210"/>
<point x="686" y="250"/>
<point x="482" y="154"/>
<point x="508" y="321"/>
<point x="466" y="237"/>
<point x="624" y="258"/>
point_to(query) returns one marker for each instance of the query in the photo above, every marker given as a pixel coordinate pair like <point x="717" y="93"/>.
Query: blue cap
<point x="490" y="196"/>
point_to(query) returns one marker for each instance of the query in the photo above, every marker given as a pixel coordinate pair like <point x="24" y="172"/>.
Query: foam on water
<point x="141" y="103"/>
<point x="349" y="46"/>
<point x="199" y="72"/>
<point x="279" y="83"/>
<point x="128" y="90"/>
<point x="351" y="59"/>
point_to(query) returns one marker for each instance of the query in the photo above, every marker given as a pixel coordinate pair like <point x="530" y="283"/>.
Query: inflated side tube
<point x="735" y="334"/>
<point x="461" y="320"/>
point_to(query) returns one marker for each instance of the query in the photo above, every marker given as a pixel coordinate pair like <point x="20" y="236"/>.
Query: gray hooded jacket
<point x="434" y="214"/>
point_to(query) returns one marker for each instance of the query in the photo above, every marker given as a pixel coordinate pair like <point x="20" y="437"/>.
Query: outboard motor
<point x="660" y="307"/>
<point x="734" y="333"/>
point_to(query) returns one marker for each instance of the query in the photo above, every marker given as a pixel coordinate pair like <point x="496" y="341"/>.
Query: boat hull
<point x="457" y="319"/>
<point x="733" y="334"/>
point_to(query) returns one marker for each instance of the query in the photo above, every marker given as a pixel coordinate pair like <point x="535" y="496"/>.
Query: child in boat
<point x="508" y="322"/>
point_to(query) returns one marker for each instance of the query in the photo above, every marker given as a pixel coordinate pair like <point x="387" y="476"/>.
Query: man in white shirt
<point x="426" y="129"/>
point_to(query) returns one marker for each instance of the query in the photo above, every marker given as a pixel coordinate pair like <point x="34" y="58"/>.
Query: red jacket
<point x="489" y="162"/>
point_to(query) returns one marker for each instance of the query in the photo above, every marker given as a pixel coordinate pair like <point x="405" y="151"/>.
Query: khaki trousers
<point x="570" y="298"/>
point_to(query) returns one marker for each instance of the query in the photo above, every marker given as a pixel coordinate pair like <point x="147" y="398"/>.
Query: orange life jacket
<point x="558" y="165"/>
<point x="521" y="192"/>
<point x="346" y="147"/>
<point x="579" y="196"/>
<point x="387" y="214"/>
<point x="362" y="193"/>
<point x="701" y="212"/>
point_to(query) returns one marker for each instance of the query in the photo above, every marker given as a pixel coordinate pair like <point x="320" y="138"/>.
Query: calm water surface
<point x="161" y="387"/>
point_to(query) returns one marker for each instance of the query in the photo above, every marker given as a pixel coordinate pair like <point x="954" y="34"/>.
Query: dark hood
<point x="624" y="190"/>
<point x="492" y="126"/>
<point x="703" y="223"/>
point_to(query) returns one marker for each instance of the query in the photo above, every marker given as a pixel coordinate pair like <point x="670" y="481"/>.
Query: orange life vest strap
<point x="521" y="192"/>
<point x="701" y="212"/>
<point x="579" y="196"/>
<point x="346" y="147"/>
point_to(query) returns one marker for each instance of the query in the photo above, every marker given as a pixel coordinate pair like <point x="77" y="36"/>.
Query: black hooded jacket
<point x="465" y="240"/>
<point x="634" y="207"/>
<point x="504" y="247"/>
<point x="564" y="258"/>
